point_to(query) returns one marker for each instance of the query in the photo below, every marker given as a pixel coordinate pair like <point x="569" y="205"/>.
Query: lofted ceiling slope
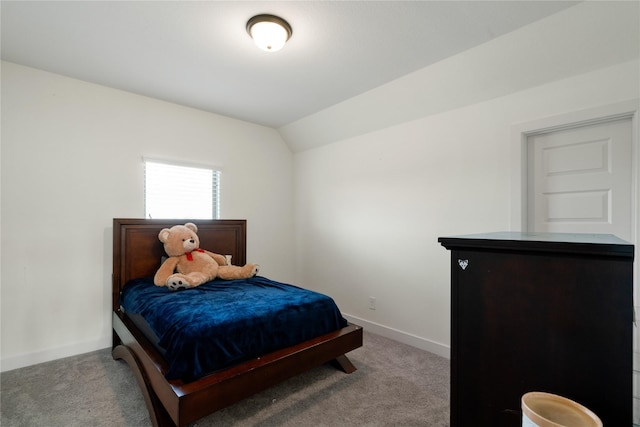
<point x="198" y="54"/>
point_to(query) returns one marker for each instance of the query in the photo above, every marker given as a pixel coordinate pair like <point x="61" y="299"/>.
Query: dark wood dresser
<point x="540" y="312"/>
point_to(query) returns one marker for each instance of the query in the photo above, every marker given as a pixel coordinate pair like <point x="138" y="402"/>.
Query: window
<point x="173" y="190"/>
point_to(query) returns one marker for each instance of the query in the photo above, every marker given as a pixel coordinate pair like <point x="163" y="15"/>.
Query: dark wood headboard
<point x="137" y="251"/>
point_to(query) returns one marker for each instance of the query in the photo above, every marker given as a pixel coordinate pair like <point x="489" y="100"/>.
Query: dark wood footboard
<point x="178" y="403"/>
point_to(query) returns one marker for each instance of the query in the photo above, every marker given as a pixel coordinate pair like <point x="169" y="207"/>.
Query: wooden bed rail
<point x="183" y="403"/>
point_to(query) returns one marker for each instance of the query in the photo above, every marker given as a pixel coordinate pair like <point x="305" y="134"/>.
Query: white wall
<point x="379" y="177"/>
<point x="373" y="194"/>
<point x="72" y="161"/>
<point x="370" y="209"/>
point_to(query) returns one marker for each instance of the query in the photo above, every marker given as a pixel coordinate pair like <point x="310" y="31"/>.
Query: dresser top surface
<point x="562" y="242"/>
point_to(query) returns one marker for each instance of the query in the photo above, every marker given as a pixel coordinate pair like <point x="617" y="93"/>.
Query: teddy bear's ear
<point x="164" y="235"/>
<point x="191" y="226"/>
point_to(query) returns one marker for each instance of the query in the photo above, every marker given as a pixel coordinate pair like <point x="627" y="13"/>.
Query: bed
<point x="180" y="400"/>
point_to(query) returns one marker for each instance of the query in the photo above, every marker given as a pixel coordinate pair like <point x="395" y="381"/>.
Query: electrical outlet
<point x="372" y="303"/>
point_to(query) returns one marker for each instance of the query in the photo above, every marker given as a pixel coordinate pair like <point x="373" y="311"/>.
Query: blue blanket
<point x="224" y="322"/>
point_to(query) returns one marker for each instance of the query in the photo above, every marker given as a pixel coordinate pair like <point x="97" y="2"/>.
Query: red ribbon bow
<point x="190" y="257"/>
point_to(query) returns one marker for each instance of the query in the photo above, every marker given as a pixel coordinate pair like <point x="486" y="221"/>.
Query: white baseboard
<point x="28" y="359"/>
<point x="400" y="336"/>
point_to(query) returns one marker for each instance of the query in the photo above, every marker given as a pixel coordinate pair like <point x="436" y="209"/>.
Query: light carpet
<point x="395" y="385"/>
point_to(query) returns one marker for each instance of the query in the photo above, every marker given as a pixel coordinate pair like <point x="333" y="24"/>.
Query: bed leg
<point x="343" y="363"/>
<point x="157" y="413"/>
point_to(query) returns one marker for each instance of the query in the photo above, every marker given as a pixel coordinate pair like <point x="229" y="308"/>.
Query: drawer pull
<point x="463" y="263"/>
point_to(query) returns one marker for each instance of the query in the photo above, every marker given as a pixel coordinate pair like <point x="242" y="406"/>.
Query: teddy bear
<point x="189" y="266"/>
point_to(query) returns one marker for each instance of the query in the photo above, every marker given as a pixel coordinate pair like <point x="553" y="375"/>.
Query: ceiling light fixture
<point x="269" y="32"/>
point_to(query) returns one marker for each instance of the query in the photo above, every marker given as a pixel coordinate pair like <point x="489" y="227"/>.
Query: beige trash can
<point x="548" y="410"/>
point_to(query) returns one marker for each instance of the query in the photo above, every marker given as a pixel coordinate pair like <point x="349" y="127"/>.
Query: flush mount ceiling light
<point x="269" y="32"/>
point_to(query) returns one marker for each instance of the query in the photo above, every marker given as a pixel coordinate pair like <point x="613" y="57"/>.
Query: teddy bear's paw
<point x="175" y="284"/>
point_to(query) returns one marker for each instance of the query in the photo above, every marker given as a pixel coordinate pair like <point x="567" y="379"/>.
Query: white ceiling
<point x="198" y="54"/>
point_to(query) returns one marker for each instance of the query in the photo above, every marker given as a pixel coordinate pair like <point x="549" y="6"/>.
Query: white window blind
<point x="178" y="191"/>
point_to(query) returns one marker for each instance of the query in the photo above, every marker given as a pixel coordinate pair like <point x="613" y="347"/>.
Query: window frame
<point x="216" y="174"/>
